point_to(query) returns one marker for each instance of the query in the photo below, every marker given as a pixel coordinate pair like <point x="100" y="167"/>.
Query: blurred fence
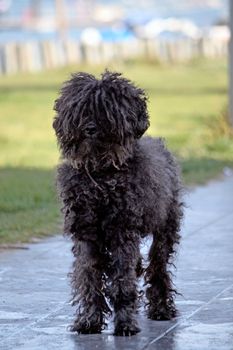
<point x="34" y="56"/>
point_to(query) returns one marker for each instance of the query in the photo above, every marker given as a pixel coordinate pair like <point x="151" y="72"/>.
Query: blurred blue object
<point x="107" y="34"/>
<point x="116" y="35"/>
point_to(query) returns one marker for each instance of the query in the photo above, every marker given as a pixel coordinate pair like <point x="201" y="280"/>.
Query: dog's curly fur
<point x="116" y="188"/>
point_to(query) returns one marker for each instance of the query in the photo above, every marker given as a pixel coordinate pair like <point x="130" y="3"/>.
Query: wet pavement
<point x="34" y="290"/>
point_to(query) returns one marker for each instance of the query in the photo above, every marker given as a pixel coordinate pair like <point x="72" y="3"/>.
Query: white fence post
<point x="38" y="55"/>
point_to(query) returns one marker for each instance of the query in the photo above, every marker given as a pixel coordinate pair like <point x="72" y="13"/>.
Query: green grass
<point x="185" y="104"/>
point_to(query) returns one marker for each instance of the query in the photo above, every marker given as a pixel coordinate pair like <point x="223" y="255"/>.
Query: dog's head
<point x="99" y="120"/>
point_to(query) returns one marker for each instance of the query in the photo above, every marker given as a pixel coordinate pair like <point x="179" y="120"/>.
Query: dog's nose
<point x="90" y="131"/>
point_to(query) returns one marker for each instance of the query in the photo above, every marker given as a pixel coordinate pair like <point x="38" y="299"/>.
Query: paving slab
<point x="34" y="288"/>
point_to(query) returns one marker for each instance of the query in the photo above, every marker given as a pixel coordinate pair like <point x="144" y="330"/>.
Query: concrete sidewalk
<point x="34" y="308"/>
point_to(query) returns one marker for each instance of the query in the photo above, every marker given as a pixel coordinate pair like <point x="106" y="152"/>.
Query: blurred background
<point x="176" y="50"/>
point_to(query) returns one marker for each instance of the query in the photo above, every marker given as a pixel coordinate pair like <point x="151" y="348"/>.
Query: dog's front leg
<point x="124" y="256"/>
<point x="88" y="284"/>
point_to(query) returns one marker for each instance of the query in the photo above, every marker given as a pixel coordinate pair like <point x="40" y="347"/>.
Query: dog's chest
<point x="131" y="199"/>
<point x="122" y="202"/>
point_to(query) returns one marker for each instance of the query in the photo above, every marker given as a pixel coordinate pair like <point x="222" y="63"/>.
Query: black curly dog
<point x="116" y="188"/>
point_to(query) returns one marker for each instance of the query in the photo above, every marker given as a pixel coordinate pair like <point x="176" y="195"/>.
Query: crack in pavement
<point x="208" y="224"/>
<point x="184" y="319"/>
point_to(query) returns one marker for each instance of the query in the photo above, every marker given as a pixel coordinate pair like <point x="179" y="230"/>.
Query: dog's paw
<point x="162" y="312"/>
<point x="83" y="327"/>
<point x="126" y="329"/>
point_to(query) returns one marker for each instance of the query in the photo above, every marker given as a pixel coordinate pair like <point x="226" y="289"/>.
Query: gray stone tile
<point x="207" y="204"/>
<point x="210" y="328"/>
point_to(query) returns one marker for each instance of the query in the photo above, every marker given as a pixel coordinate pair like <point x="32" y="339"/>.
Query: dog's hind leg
<point x="160" y="293"/>
<point x="124" y="257"/>
<point x="88" y="288"/>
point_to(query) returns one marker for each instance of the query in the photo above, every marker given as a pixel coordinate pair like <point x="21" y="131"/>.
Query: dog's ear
<point x="70" y="105"/>
<point x="128" y="103"/>
<point x="57" y="124"/>
<point x="142" y="123"/>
